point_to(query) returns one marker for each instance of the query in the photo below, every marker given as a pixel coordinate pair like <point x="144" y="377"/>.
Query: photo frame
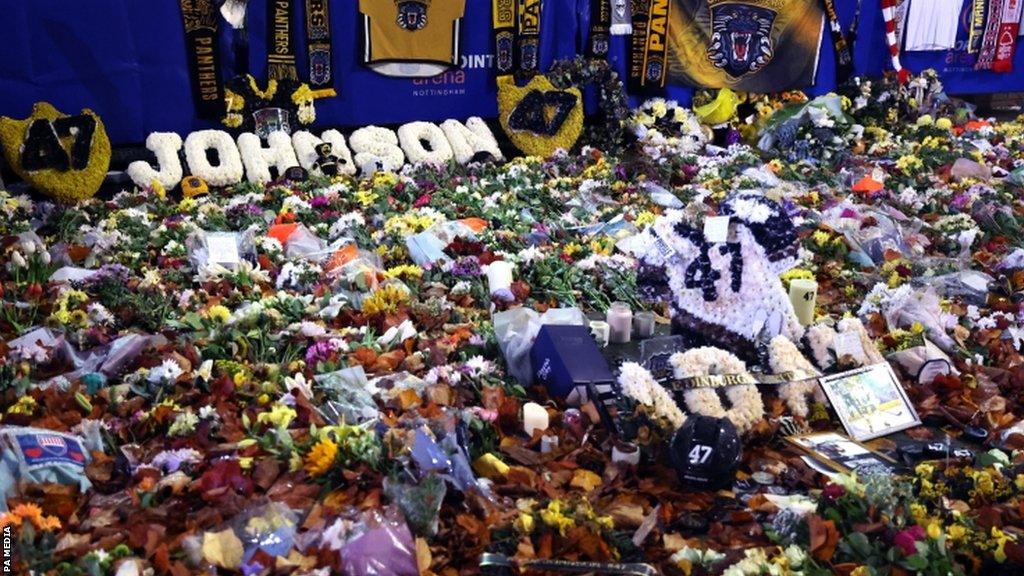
<point x="843" y="454"/>
<point x="870" y="402"/>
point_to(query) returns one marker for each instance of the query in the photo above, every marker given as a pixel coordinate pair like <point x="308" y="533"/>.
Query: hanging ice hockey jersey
<point x="411" y="38"/>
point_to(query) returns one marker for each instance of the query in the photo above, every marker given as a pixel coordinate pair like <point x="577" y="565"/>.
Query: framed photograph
<point x="870" y="402"/>
<point x="842" y="454"/>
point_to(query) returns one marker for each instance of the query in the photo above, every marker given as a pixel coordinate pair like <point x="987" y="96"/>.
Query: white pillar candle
<point x="644" y="324"/>
<point x="600" y="330"/>
<point x="803" y="294"/>
<point x="535" y="417"/>
<point x="499" y="275"/>
<point x="620" y="323"/>
<point x="625" y="454"/>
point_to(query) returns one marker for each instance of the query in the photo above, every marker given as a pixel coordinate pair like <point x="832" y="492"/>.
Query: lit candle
<point x="499" y="275"/>
<point x="644" y="324"/>
<point x="803" y="293"/>
<point x="620" y="323"/>
<point x="600" y="330"/>
<point x="535" y="417"/>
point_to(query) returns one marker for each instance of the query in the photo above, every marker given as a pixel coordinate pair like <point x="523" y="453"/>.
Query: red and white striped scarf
<point x="889" y="15"/>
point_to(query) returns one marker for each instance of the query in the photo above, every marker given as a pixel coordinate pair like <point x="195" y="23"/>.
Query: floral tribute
<point x="273" y="376"/>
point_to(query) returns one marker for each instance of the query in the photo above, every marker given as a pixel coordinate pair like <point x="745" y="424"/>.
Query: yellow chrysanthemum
<point x="385" y="299"/>
<point x="219" y="314"/>
<point x="320" y="459"/>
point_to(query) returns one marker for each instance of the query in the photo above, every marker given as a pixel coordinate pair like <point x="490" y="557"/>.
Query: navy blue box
<point x="566" y="357"/>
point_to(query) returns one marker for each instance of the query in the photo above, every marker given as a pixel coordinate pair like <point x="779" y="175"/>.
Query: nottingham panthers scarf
<point x="318" y="43"/>
<point x="746" y="45"/>
<point x="281" y="40"/>
<point x="200" y="18"/>
<point x="600" y="28"/>
<point x="844" y="58"/>
<point x="503" y="18"/>
<point x="648" y="57"/>
<point x="528" y="37"/>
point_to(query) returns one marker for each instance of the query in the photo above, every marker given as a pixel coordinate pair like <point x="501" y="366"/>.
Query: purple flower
<point x="319" y="201"/>
<point x="467" y="267"/>
<point x="960" y="200"/>
<point x="319" y="352"/>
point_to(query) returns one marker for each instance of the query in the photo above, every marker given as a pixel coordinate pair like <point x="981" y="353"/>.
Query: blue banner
<point x="126" y="60"/>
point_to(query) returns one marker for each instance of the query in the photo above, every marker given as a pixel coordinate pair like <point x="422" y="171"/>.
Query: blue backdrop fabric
<point x="125" y="59"/>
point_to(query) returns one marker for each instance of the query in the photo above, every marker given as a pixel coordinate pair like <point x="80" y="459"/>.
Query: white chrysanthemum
<point x="637" y="383"/>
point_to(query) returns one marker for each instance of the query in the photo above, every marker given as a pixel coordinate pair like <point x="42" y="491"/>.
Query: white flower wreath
<point x="747" y="406"/>
<point x="784" y="356"/>
<point x="637" y="383"/>
<point x="412" y="136"/>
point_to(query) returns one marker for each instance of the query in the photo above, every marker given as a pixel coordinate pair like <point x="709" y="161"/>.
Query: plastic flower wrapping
<point x="333" y="376"/>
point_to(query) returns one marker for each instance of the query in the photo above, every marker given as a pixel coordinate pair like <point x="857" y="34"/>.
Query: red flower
<point x="906" y="539"/>
<point x="833" y="492"/>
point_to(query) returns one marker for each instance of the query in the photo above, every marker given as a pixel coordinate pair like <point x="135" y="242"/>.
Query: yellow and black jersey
<point x="411" y="38"/>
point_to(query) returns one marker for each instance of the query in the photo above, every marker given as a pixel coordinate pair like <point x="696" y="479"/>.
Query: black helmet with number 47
<point x="706" y="451"/>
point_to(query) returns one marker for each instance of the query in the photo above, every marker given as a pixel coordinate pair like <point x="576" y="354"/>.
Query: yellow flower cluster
<point x="644" y="219"/>
<point x="555" y="516"/>
<point x="65" y="310"/>
<point x="34" y="514"/>
<point x="279" y="416"/>
<point x="909" y="164"/>
<point x="795" y="274"/>
<point x="24" y="405"/>
<point x="219" y="314"/>
<point x="385" y="299"/>
<point x="405" y="271"/>
<point x="407" y="224"/>
<point x="320" y="459"/>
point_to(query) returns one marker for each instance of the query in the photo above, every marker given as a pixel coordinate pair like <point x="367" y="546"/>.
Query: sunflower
<point x="321" y="457"/>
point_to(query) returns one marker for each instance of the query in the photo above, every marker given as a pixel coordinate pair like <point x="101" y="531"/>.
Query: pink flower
<point x="906" y="539"/>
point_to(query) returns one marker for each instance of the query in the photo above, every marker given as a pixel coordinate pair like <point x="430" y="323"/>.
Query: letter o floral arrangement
<point x="747" y="407"/>
<point x="412" y="136"/>
<point x="229" y="169"/>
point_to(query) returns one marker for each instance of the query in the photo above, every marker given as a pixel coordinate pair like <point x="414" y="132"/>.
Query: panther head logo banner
<point x="412" y="14"/>
<point x="741" y="38"/>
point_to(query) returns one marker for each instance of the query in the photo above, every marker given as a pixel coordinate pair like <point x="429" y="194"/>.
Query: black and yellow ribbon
<point x="745" y="379"/>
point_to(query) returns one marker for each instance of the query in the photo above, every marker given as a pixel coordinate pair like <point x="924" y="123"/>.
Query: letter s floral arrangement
<point x="315" y="377"/>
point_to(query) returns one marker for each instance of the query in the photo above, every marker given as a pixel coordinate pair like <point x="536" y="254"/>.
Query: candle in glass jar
<point x="499" y="275"/>
<point x="644" y="324"/>
<point x="803" y="293"/>
<point x="620" y="323"/>
<point x="599" y="329"/>
<point x="535" y="417"/>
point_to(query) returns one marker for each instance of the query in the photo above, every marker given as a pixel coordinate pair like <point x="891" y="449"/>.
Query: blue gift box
<point x="567" y="357"/>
